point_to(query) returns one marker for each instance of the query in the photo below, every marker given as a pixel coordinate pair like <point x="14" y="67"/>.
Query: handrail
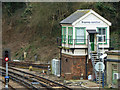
<point x="89" y="47"/>
<point x="74" y="42"/>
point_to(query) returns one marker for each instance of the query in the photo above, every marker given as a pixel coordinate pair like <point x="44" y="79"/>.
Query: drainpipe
<point x="60" y="60"/>
<point x="60" y="55"/>
<point x="105" y="71"/>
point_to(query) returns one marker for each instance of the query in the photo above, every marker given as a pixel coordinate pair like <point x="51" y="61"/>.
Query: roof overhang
<point x="112" y="60"/>
<point x="79" y="15"/>
<point x="92" y="31"/>
<point x="96" y="14"/>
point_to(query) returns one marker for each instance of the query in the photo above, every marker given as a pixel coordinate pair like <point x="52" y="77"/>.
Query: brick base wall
<point x="89" y="68"/>
<point x="74" y="67"/>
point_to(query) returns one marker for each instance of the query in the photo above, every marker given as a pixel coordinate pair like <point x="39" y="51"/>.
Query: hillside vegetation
<point x="34" y="27"/>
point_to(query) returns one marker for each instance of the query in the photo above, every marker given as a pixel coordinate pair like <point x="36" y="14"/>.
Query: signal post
<point x="6" y="77"/>
<point x="6" y="57"/>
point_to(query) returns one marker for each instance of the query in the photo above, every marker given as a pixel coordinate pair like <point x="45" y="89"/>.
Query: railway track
<point x="34" y="81"/>
<point x="25" y="64"/>
<point x="19" y="80"/>
<point x="23" y="80"/>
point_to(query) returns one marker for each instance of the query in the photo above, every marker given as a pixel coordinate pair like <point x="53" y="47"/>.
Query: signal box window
<point x="70" y="35"/>
<point x="80" y="35"/>
<point x="63" y="34"/>
<point x="102" y="34"/>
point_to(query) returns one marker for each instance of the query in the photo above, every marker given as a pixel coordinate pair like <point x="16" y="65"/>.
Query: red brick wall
<point x="89" y="68"/>
<point x="79" y="66"/>
<point x="73" y="66"/>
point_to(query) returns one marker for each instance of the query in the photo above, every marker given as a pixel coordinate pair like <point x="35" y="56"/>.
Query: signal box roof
<point x="81" y="14"/>
<point x="73" y="17"/>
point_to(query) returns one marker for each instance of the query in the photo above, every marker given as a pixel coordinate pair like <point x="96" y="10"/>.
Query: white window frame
<point x="80" y="36"/>
<point x="64" y="34"/>
<point x="102" y="35"/>
<point x="70" y="35"/>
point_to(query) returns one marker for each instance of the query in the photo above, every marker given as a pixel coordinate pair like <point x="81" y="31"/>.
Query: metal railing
<point x="76" y="43"/>
<point x="71" y="43"/>
<point x="89" y="47"/>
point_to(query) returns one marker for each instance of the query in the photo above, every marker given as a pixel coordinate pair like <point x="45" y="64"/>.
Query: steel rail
<point x="22" y="82"/>
<point x="25" y="84"/>
<point x="24" y="77"/>
<point x="43" y="79"/>
<point x="42" y="66"/>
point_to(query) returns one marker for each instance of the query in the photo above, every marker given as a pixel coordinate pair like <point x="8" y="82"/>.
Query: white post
<point x="88" y="43"/>
<point x="103" y="48"/>
<point x="98" y="52"/>
<point x="99" y="75"/>
<point x="6" y="86"/>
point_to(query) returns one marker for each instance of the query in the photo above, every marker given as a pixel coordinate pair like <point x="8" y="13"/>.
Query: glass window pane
<point x="104" y="38"/>
<point x="63" y="34"/>
<point x="115" y="76"/>
<point x="80" y="34"/>
<point x="100" y="39"/>
<point x="64" y="31"/>
<point x="103" y="32"/>
<point x="80" y="39"/>
<point x="70" y="35"/>
<point x="70" y="31"/>
<point x="99" y="31"/>
<point x="70" y="39"/>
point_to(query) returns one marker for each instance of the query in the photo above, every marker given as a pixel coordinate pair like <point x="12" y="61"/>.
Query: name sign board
<point x="89" y="22"/>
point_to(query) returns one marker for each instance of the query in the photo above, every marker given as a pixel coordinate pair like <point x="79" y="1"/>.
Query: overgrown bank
<point x="34" y="27"/>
